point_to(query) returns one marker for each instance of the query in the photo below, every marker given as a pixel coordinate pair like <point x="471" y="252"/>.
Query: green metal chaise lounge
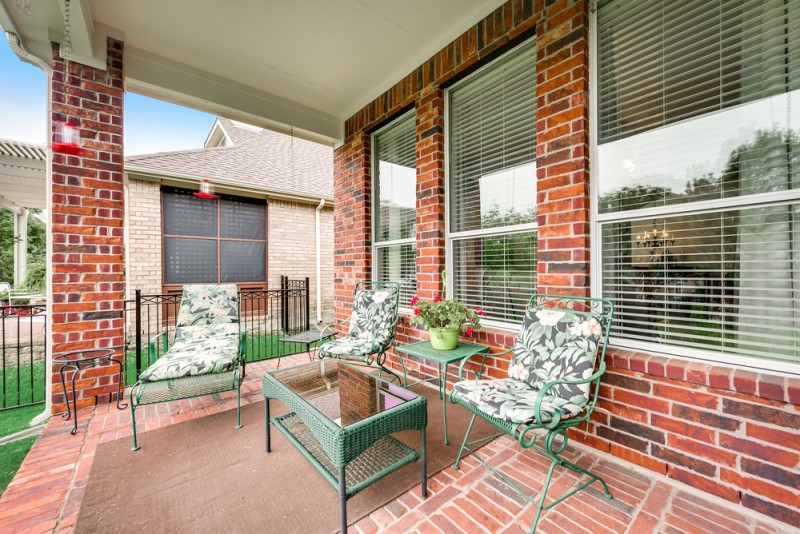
<point x="206" y="356"/>
<point x="551" y="386"/>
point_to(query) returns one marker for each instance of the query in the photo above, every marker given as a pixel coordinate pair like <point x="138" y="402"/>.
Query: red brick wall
<point x="728" y="432"/>
<point x="86" y="216"/>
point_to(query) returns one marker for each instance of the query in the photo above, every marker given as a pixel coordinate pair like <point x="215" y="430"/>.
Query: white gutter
<point x="27" y="57"/>
<point x="319" y="269"/>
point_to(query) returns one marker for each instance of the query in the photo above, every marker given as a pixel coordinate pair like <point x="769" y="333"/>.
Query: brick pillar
<point x="430" y="192"/>
<point x="562" y="148"/>
<point x="352" y="220"/>
<point x="86" y="215"/>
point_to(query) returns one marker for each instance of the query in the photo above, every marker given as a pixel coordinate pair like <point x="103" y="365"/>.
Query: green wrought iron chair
<point x="373" y="326"/>
<point x="206" y="356"/>
<point x="551" y="386"/>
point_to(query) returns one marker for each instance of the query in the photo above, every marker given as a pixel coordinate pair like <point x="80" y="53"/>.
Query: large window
<point x="698" y="175"/>
<point x="213" y="240"/>
<point x="492" y="185"/>
<point x="395" y="186"/>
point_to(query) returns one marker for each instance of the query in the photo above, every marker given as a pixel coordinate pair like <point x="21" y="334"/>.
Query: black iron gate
<point x="23" y="353"/>
<point x="266" y="315"/>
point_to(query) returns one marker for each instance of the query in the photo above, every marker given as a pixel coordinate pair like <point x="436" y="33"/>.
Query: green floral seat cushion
<point x="374" y="314"/>
<point x="349" y="346"/>
<point x="213" y="306"/>
<point x="195" y="356"/>
<point x="513" y="400"/>
<point x="556" y="344"/>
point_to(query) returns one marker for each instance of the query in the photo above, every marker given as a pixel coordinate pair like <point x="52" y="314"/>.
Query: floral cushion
<point x="374" y="313"/>
<point x="208" y="309"/>
<point x="195" y="356"/>
<point x="556" y="344"/>
<point x="348" y="346"/>
<point x="513" y="400"/>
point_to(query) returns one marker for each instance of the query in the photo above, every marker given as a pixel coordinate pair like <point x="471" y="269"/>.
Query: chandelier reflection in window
<point x="657" y="243"/>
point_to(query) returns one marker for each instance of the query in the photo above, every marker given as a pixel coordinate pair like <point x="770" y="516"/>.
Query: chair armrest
<point x="549" y="385"/>
<point x="483" y="362"/>
<point x="152" y="346"/>
<point x="331" y="331"/>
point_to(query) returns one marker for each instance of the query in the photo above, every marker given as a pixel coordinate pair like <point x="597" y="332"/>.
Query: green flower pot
<point x="444" y="338"/>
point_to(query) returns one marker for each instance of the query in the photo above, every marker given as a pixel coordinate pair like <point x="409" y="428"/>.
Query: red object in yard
<point x="67" y="138"/>
<point x="205" y="190"/>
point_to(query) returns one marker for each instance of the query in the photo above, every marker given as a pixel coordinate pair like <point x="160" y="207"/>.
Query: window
<point x="492" y="186"/>
<point x="213" y="241"/>
<point x="698" y="176"/>
<point x="395" y="187"/>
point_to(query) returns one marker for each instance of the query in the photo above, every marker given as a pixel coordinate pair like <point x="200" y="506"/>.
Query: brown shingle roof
<point x="256" y="158"/>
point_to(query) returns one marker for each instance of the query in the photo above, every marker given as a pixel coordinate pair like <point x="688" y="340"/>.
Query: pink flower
<point x="469" y="331"/>
<point x="417" y="311"/>
<point x="437" y="298"/>
<point x="414" y="301"/>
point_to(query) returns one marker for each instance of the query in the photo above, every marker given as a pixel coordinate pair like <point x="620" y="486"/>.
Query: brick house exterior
<point x="291" y="215"/>
<point x="726" y="430"/>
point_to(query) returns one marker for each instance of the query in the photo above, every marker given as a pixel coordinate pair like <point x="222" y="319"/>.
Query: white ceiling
<point x="304" y="63"/>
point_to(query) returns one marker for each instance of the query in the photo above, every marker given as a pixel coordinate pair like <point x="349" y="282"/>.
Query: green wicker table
<point x="340" y="419"/>
<point x="443" y="358"/>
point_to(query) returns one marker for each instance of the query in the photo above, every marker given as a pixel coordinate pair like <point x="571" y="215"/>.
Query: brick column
<point x="352" y="220"/>
<point x="430" y="192"/>
<point x="562" y="148"/>
<point x="86" y="216"/>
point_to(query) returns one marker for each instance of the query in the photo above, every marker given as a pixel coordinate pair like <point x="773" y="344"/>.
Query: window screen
<point x="189" y="261"/>
<point x="492" y="185"/>
<point x="395" y="186"/>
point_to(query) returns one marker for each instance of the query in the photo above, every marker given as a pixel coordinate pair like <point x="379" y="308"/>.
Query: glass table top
<point x="342" y="393"/>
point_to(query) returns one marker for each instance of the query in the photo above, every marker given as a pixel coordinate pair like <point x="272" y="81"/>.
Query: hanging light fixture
<point x="67" y="135"/>
<point x="206" y="191"/>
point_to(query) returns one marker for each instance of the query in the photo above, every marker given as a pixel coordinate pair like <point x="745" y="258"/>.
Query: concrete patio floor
<point x="46" y="494"/>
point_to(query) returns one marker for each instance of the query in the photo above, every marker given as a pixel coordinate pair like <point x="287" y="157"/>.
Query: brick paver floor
<point x="47" y="491"/>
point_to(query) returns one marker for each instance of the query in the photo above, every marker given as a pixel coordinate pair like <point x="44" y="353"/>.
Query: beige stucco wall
<point x="291" y="248"/>
<point x="143" y="237"/>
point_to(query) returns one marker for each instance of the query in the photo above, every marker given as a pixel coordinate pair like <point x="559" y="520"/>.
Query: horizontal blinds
<point x="397" y="263"/>
<point x="497" y="273"/>
<point x="492" y="129"/>
<point x="663" y="61"/>
<point x="727" y="282"/>
<point x="396" y="172"/>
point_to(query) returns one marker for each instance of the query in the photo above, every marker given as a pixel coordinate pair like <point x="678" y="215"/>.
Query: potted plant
<point x="445" y="319"/>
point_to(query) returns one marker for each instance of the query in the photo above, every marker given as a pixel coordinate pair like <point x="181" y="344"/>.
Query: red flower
<point x="480" y="311"/>
<point x="413" y="301"/>
<point x="469" y="331"/>
<point x="437" y="298"/>
<point x="417" y="311"/>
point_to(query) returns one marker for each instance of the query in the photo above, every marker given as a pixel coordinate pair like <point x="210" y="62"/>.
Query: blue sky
<point x="150" y="125"/>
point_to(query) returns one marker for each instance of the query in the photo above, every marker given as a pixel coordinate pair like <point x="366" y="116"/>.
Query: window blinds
<point x="660" y="62"/>
<point x="492" y="130"/>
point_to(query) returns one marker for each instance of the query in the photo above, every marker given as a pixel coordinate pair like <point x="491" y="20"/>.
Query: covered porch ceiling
<point x="308" y="64"/>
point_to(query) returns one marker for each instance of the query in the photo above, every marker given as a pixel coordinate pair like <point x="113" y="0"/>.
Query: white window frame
<point x="450" y="236"/>
<point x="597" y="220"/>
<point x="374" y="163"/>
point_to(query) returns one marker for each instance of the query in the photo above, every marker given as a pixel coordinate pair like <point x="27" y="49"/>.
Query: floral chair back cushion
<point x="556" y="344"/>
<point x="208" y="309"/>
<point x="374" y="313"/>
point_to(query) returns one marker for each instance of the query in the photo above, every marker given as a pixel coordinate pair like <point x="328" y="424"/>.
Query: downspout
<point x="319" y="268"/>
<point x="27" y="57"/>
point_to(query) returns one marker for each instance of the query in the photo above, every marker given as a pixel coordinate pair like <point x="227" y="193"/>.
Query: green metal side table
<point x="341" y="420"/>
<point x="442" y="358"/>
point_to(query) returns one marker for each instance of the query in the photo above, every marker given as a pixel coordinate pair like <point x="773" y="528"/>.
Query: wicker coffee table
<point x="340" y="419"/>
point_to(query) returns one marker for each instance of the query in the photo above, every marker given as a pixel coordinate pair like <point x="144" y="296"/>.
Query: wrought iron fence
<point x="23" y="352"/>
<point x="266" y="315"/>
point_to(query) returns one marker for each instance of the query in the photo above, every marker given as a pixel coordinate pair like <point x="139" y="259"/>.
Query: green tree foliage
<point x="36" y="249"/>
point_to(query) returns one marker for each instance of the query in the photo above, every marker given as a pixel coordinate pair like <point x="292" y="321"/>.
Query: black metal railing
<point x="23" y="353"/>
<point x="266" y="315"/>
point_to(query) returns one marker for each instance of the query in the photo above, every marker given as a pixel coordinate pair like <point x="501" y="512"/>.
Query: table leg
<point x="342" y="501"/>
<point x="266" y="422"/>
<point x="424" y="462"/>
<point x="119" y="384"/>
<point x="64" y="389"/>
<point x="308" y="351"/>
<point x="74" y="401"/>
<point x="444" y="401"/>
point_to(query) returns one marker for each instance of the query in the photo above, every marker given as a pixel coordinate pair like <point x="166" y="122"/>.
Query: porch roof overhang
<point x="22" y="175"/>
<point x="308" y="65"/>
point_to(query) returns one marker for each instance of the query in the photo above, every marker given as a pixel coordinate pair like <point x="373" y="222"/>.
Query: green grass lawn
<point x="17" y="419"/>
<point x="23" y="385"/>
<point x="11" y="456"/>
